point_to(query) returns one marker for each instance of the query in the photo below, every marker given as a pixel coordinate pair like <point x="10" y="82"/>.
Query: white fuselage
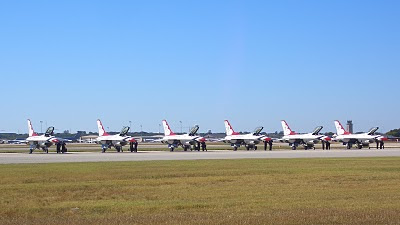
<point x="363" y="138"/>
<point x="182" y="139"/>
<point x="309" y="139"/>
<point x="116" y="140"/>
<point x="246" y="139"/>
<point x="41" y="141"/>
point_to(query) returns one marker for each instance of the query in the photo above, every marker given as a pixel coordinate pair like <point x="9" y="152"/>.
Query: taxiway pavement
<point x="12" y="158"/>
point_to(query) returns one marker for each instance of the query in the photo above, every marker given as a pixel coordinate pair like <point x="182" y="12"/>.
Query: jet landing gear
<point x="171" y="147"/>
<point x="306" y="147"/>
<point x="119" y="149"/>
<point x="185" y="148"/>
<point x="45" y="149"/>
<point x="359" y="145"/>
<point x="235" y="147"/>
<point x="104" y="148"/>
<point x="253" y="147"/>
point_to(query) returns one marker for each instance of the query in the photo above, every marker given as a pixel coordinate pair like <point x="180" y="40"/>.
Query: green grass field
<point x="267" y="191"/>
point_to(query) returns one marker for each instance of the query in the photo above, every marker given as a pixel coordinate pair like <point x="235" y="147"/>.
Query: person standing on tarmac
<point x="136" y="144"/>
<point x="58" y="147"/>
<point x="323" y="145"/>
<point x="382" y="145"/>
<point x="203" y="146"/>
<point x="270" y="145"/>
<point x="63" y="148"/>
<point x="328" y="145"/>
<point x="265" y="145"/>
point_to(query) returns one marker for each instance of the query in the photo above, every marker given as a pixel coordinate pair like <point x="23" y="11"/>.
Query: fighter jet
<point x="307" y="140"/>
<point x="361" y="140"/>
<point x="187" y="141"/>
<point x="250" y="141"/>
<point x="117" y="141"/>
<point x="44" y="141"/>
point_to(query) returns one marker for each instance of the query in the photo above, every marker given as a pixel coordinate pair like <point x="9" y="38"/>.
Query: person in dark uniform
<point x="323" y="144"/>
<point x="63" y="148"/>
<point x="58" y="147"/>
<point x="270" y="145"/>
<point x="136" y="144"/>
<point x="198" y="146"/>
<point x="265" y="145"/>
<point x="203" y="146"/>
<point x="328" y="145"/>
<point x="382" y="145"/>
<point x="377" y="144"/>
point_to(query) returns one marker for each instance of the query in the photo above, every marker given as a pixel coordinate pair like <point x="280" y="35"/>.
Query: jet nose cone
<point x="267" y="139"/>
<point x="201" y="139"/>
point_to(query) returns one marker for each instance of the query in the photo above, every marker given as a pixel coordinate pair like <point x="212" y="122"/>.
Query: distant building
<point x="350" y="126"/>
<point x="88" y="139"/>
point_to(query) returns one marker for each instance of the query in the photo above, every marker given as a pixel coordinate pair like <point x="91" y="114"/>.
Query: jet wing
<point x="326" y="138"/>
<point x="215" y="139"/>
<point x="272" y="139"/>
<point x="157" y="141"/>
<point x="130" y="139"/>
<point x="56" y="140"/>
<point x="17" y="142"/>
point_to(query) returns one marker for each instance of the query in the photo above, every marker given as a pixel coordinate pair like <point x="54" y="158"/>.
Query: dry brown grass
<point x="278" y="191"/>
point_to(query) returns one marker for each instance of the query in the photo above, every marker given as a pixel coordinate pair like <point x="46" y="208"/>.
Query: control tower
<point x="349" y="126"/>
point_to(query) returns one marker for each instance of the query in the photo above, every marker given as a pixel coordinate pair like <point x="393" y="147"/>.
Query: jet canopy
<point x="258" y="130"/>
<point x="317" y="130"/>
<point x="373" y="130"/>
<point x="49" y="131"/>
<point x="124" y="131"/>
<point x="194" y="130"/>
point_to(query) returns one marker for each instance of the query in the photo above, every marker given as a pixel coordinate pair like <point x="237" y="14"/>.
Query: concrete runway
<point x="12" y="158"/>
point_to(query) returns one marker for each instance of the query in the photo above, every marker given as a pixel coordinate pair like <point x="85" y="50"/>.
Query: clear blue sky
<point x="253" y="62"/>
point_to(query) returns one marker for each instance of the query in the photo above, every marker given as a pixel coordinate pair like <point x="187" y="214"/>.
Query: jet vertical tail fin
<point x="30" y="129"/>
<point x="286" y="128"/>
<point x="102" y="131"/>
<point x="229" y="129"/>
<point x="167" y="129"/>
<point x="340" y="129"/>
